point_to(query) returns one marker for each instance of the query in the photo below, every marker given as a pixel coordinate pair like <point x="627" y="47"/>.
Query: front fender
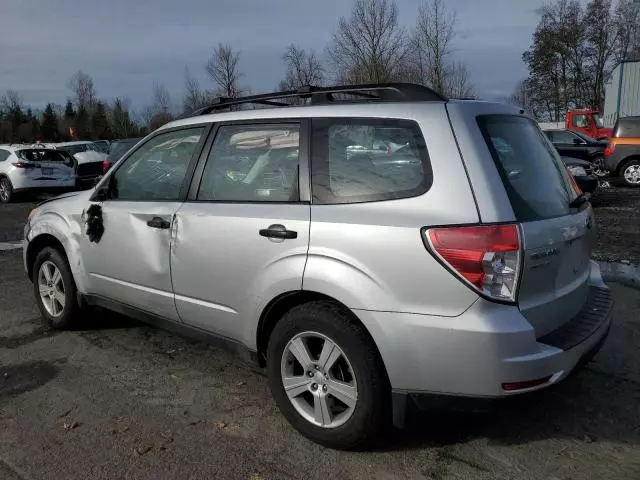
<point x="68" y="231"/>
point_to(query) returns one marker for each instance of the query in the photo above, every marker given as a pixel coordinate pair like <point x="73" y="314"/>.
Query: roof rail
<point x="382" y="92"/>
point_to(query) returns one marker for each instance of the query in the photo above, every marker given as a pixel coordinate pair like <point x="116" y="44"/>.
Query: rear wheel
<point x="630" y="173"/>
<point x="327" y="376"/>
<point x="55" y="289"/>
<point x="6" y="190"/>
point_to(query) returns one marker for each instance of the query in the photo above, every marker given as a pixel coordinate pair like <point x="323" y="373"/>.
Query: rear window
<point x="627" y="127"/>
<point x="365" y="160"/>
<point x="533" y="174"/>
<point x="47" y="156"/>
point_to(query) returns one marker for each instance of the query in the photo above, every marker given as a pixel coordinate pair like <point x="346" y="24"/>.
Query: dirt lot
<point x="122" y="400"/>
<point x="617" y="212"/>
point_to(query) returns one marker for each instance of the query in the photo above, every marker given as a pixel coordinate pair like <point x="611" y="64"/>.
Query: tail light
<point x="609" y="149"/>
<point x="389" y="150"/>
<point x="106" y="165"/>
<point x="23" y="165"/>
<point x="487" y="258"/>
<point x="574" y="184"/>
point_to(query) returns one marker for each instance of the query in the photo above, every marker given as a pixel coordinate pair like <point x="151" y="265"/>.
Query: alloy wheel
<point x="52" y="290"/>
<point x="632" y="174"/>
<point x="318" y="380"/>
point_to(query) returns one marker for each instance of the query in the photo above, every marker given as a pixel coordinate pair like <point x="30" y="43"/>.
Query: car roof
<point x="78" y="142"/>
<point x="399" y="110"/>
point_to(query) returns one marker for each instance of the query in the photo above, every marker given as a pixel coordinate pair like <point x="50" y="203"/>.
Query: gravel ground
<point x="617" y="213"/>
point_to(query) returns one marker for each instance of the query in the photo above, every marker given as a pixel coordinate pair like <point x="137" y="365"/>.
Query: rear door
<point x="242" y="237"/>
<point x="557" y="238"/>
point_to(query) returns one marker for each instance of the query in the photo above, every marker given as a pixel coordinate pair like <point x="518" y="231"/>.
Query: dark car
<point x="583" y="173"/>
<point x="622" y="155"/>
<point x="117" y="149"/>
<point x="578" y="145"/>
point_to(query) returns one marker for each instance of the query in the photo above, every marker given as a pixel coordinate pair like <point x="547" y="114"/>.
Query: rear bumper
<point x="487" y="346"/>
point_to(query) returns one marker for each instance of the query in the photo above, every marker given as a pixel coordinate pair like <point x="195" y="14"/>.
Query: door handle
<point x="160" y="223"/>
<point x="278" y="231"/>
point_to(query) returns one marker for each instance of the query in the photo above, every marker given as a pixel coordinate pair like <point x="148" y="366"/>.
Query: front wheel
<point x="55" y="289"/>
<point x="6" y="190"/>
<point x="327" y="377"/>
<point x="630" y="173"/>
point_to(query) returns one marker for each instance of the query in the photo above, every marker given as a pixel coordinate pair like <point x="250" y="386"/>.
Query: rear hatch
<point x="556" y="229"/>
<point x="46" y="165"/>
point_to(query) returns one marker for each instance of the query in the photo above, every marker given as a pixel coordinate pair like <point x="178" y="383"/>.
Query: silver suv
<point x="456" y="262"/>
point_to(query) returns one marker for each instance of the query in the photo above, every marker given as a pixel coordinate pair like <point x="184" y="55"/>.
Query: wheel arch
<point x="624" y="161"/>
<point x="37" y="244"/>
<point x="281" y="304"/>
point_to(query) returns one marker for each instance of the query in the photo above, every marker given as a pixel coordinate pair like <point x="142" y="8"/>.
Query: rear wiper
<point x="579" y="201"/>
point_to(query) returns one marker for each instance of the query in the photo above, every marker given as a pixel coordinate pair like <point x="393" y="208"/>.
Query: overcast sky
<point x="126" y="45"/>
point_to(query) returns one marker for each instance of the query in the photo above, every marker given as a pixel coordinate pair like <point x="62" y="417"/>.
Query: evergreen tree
<point x="82" y="124"/>
<point x="49" y="128"/>
<point x="100" y="128"/>
<point x="69" y="112"/>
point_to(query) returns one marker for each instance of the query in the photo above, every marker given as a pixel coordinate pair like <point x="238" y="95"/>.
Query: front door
<point x="130" y="263"/>
<point x="242" y="237"/>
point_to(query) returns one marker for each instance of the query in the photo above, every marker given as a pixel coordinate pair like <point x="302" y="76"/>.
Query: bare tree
<point x="82" y="86"/>
<point x="303" y="68"/>
<point x="159" y="112"/>
<point x="10" y="101"/>
<point x="457" y="82"/>
<point x="222" y="68"/>
<point x="432" y="49"/>
<point x="627" y="24"/>
<point x="370" y="46"/>
<point x="161" y="103"/>
<point x="194" y="97"/>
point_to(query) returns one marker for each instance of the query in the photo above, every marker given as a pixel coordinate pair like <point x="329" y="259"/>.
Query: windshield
<point x="99" y="147"/>
<point x="73" y="149"/>
<point x="598" y="120"/>
<point x="532" y="172"/>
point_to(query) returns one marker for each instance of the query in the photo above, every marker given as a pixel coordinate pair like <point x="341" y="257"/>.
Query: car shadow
<point x="587" y="406"/>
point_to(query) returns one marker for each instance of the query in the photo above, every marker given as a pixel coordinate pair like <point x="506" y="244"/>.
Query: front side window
<point x="253" y="163"/>
<point x="364" y="160"/>
<point x="580" y="121"/>
<point x="157" y="170"/>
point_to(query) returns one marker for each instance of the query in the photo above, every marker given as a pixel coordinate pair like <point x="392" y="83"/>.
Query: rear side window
<point x="4" y="154"/>
<point x="533" y="174"/>
<point x="365" y="160"/>
<point x="627" y="127"/>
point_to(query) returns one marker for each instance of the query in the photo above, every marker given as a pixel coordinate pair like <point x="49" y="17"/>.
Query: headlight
<point x="577" y="171"/>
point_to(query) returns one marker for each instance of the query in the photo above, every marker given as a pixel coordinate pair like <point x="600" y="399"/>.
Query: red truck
<point x="583" y="120"/>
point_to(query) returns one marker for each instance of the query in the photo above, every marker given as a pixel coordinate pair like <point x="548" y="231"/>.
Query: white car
<point x="34" y="167"/>
<point x="91" y="163"/>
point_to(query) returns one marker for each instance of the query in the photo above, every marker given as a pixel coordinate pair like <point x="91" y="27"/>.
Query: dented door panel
<point x="130" y="263"/>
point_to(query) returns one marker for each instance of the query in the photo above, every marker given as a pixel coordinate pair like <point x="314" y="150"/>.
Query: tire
<point x="60" y="315"/>
<point x="358" y="363"/>
<point x="630" y="173"/>
<point x="6" y="190"/>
